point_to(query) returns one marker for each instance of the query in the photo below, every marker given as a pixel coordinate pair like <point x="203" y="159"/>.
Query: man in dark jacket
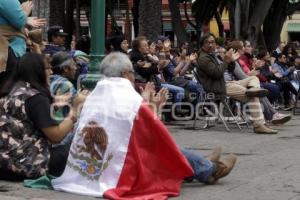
<point x="211" y="73"/>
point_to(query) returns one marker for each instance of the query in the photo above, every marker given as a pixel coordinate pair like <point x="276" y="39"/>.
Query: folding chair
<point x="220" y="101"/>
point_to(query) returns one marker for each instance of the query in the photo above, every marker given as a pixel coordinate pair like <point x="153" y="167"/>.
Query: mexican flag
<point x="121" y="150"/>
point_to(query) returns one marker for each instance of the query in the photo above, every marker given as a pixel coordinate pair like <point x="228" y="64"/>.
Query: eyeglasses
<point x="210" y="42"/>
<point x="131" y="72"/>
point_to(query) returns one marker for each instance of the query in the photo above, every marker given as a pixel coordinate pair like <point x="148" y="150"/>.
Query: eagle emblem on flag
<point x="89" y="158"/>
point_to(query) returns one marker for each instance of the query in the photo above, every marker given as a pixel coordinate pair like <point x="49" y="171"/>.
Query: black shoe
<point x="256" y="92"/>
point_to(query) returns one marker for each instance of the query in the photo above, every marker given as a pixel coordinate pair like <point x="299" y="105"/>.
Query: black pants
<point x="58" y="159"/>
<point x="57" y="164"/>
<point x="287" y="88"/>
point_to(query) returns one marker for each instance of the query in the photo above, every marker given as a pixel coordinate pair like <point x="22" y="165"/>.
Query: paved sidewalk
<point x="268" y="166"/>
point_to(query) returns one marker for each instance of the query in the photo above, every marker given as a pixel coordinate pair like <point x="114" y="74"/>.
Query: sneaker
<point x="256" y="92"/>
<point x="263" y="129"/>
<point x="279" y="118"/>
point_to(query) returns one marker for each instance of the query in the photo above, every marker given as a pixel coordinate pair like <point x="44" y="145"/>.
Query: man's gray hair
<point x="114" y="64"/>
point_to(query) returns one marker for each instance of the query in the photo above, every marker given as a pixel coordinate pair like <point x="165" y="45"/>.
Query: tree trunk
<point x="150" y="18"/>
<point x="231" y="6"/>
<point x="245" y="15"/>
<point x="57" y="12"/>
<point x="261" y="43"/>
<point x="42" y="9"/>
<point x="69" y="22"/>
<point x="237" y="21"/>
<point x="272" y="30"/>
<point x="135" y="14"/>
<point x="258" y="16"/>
<point x="220" y="24"/>
<point x="178" y="28"/>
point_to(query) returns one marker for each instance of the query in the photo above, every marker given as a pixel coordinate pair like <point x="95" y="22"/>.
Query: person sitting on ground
<point x="64" y="72"/>
<point x="26" y="126"/>
<point x="121" y="138"/>
<point x="84" y="44"/>
<point x="120" y="44"/>
<point x="56" y="40"/>
<point x="211" y="73"/>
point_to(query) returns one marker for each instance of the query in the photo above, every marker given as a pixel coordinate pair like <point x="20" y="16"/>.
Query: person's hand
<point x="228" y="56"/>
<point x="161" y="98"/>
<point x="27" y="7"/>
<point x="235" y="56"/>
<point x="152" y="59"/>
<point x="156" y="100"/>
<point x="79" y="99"/>
<point x="167" y="44"/>
<point x="148" y="91"/>
<point x="292" y="68"/>
<point x="36" y="22"/>
<point x="253" y="73"/>
<point x="35" y="48"/>
<point x="141" y="63"/>
<point x="162" y="64"/>
<point x="193" y="57"/>
<point x="258" y="64"/>
<point x="273" y="59"/>
<point x="147" y="65"/>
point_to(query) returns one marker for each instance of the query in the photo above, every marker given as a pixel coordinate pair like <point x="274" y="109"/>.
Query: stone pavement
<point x="268" y="166"/>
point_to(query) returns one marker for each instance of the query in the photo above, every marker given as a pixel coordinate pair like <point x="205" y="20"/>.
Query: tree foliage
<point x="258" y="21"/>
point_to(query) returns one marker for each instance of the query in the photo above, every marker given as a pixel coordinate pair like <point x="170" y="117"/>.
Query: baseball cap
<point x="55" y="31"/>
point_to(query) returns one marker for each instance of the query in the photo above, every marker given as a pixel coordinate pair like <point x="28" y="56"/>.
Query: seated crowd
<point x="41" y="97"/>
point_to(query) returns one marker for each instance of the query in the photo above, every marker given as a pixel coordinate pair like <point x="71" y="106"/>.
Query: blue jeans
<point x="178" y="92"/>
<point x="202" y="167"/>
<point x="274" y="91"/>
<point x="197" y="89"/>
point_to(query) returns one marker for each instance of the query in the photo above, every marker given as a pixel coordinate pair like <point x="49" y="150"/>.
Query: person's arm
<point x="38" y="110"/>
<point x="178" y="68"/>
<point x="57" y="133"/>
<point x="12" y="11"/>
<point x="244" y="66"/>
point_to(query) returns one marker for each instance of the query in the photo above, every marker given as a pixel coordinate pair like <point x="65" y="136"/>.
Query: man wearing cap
<point x="56" y="39"/>
<point x="64" y="71"/>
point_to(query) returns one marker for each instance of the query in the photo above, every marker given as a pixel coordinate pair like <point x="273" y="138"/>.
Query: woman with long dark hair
<point x="26" y="125"/>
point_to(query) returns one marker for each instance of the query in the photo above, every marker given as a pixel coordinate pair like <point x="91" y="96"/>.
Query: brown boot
<point x="215" y="154"/>
<point x="223" y="168"/>
<point x="263" y="129"/>
<point x="256" y="92"/>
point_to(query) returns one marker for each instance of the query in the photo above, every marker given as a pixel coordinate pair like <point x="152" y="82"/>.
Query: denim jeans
<point x="197" y="89"/>
<point x="178" y="92"/>
<point x="202" y="167"/>
<point x="274" y="91"/>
